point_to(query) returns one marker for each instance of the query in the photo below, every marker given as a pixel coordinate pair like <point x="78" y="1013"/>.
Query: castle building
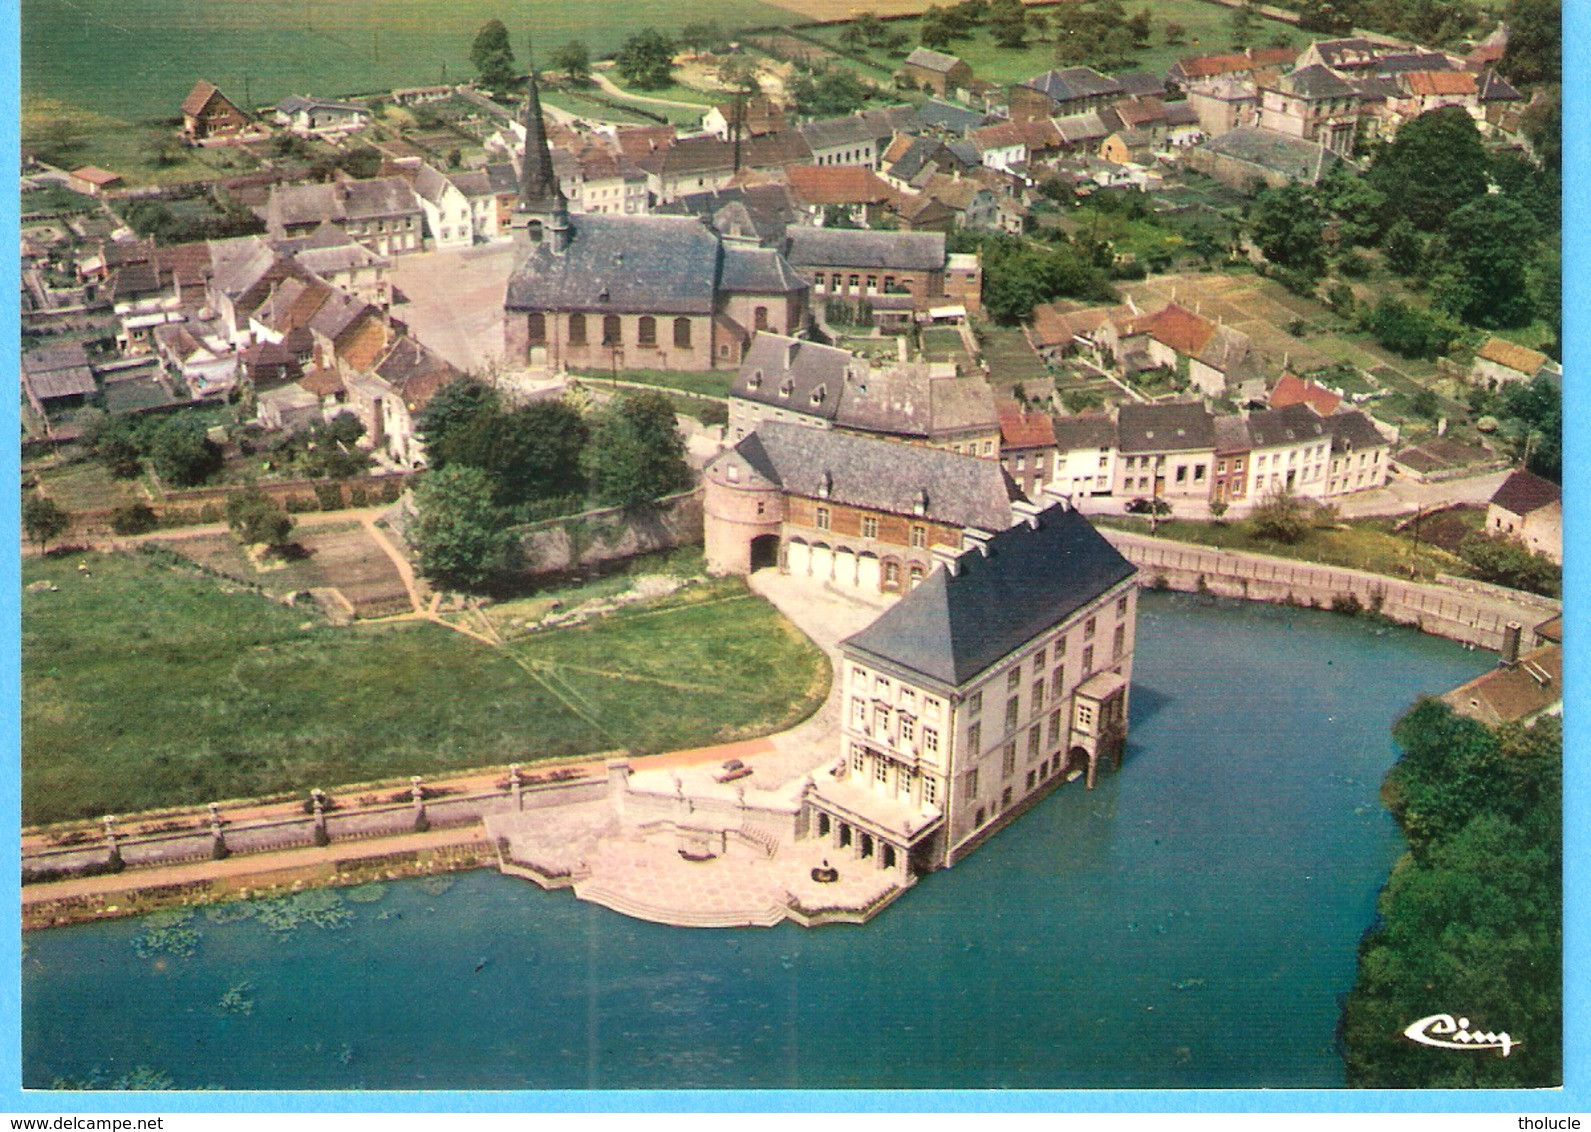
<point x="1005" y="673"/>
<point x="619" y="291"/>
<point x="862" y="513"/>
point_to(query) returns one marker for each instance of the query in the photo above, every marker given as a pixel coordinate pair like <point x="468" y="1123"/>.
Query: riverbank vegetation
<point x="1471" y="919"/>
<point x="147" y="684"/>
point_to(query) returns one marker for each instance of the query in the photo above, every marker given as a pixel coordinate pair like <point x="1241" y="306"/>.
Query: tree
<point x="1353" y="204"/>
<point x="1285" y="224"/>
<point x="1405" y="251"/>
<point x="1008" y="23"/>
<point x="936" y="29"/>
<point x="458" y="537"/>
<point x="1174" y="34"/>
<point x="257" y="519"/>
<point x="872" y="29"/>
<point x="1535" y="41"/>
<point x="493" y="57"/>
<point x="1281" y="517"/>
<point x="1409" y="331"/>
<point x="529" y="454"/>
<point x="1141" y="26"/>
<point x="113" y="442"/>
<point x="181" y="454"/>
<point x="1434" y="166"/>
<point x="635" y="454"/>
<point x="1331" y="17"/>
<point x="44" y="519"/>
<point x="573" y="59"/>
<point x="1542" y="124"/>
<point x="1242" y="24"/>
<point x="834" y="93"/>
<point x="1493" y="243"/>
<point x="1506" y="561"/>
<point x="134" y="519"/>
<point x="646" y="60"/>
<point x="452" y="408"/>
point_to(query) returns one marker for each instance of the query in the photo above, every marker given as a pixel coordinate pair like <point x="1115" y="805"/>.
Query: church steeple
<point x="542" y="210"/>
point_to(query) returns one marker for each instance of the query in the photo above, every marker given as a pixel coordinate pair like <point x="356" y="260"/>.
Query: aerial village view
<point x="791" y="544"/>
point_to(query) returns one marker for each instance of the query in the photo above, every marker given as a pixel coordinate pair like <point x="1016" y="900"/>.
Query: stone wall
<point x="1467" y="614"/>
<point x="593" y="538"/>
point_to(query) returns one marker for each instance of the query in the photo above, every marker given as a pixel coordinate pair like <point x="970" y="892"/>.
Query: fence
<point x="1465" y="615"/>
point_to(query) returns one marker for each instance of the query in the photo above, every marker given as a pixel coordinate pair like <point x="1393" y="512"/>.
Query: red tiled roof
<point x="323" y="382"/>
<point x="1175" y="326"/>
<point x="199" y="97"/>
<point x="1053" y="326"/>
<point x="998" y="136"/>
<point x="1519" y="358"/>
<point x="837" y="184"/>
<point x="1020" y="428"/>
<point x="1294" y="390"/>
<point x="1208" y="66"/>
<point x="1524" y="492"/>
<point x="94" y="175"/>
<point x="1513" y="692"/>
<point x="1440" y="82"/>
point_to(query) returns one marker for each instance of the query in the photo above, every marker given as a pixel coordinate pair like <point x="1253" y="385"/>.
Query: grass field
<point x="146" y="685"/>
<point x="122" y="68"/>
<point x="1207" y="31"/>
<point x="1364" y="544"/>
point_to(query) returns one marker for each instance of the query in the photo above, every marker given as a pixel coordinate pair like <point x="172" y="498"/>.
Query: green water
<point x="1190" y="923"/>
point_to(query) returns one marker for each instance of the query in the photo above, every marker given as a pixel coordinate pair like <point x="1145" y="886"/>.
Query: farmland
<point x="112" y="67"/>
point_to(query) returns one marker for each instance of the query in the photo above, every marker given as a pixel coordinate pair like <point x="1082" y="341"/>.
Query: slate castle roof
<point x="880" y="475"/>
<point x="955" y="625"/>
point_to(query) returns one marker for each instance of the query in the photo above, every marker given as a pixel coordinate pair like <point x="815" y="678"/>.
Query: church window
<point x="577" y="330"/>
<point x="647" y="332"/>
<point x="682" y="333"/>
<point x="611" y="333"/>
<point x="536" y="323"/>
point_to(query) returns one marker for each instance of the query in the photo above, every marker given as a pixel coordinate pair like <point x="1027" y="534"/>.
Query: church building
<point x="617" y="292"/>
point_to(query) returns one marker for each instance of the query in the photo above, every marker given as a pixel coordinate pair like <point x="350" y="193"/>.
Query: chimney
<point x="974" y="539"/>
<point x="1057" y="496"/>
<point x="1510" y="650"/>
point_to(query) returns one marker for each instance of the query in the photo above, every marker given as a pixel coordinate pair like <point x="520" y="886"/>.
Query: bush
<point x="134" y="519"/>
<point x="357" y="496"/>
<point x="714" y="414"/>
<point x="329" y="496"/>
<point x="297" y="504"/>
<point x="210" y="513"/>
<point x="390" y="491"/>
<point x="1280" y="518"/>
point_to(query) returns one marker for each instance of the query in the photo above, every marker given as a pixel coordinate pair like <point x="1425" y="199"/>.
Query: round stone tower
<point x="743" y="511"/>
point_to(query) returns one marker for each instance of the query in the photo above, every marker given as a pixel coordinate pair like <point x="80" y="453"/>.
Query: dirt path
<point x="613" y="88"/>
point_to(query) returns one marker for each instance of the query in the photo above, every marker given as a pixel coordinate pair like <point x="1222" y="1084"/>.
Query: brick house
<point x="207" y="113"/>
<point x="934" y="70"/>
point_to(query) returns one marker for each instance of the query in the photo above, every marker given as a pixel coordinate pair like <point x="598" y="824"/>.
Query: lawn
<point x="1208" y="30"/>
<point x="708" y="383"/>
<point x="1364" y="544"/>
<point x="89" y="486"/>
<point x="146" y="685"/>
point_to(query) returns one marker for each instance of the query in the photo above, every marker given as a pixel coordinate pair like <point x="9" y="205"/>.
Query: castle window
<point x="682" y="333"/>
<point x="975" y="738"/>
<point x="647" y="332"/>
<point x="536" y="325"/>
<point x="919" y="536"/>
<point x="1012" y="713"/>
<point x="1118" y="645"/>
<point x="870" y="527"/>
<point x="906" y="729"/>
<point x="823" y="518"/>
<point x="930" y="791"/>
<point x="892" y="574"/>
<point x="611" y="333"/>
<point x="760" y="318"/>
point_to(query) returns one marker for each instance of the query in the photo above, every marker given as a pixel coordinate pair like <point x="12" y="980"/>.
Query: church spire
<point x="538" y="183"/>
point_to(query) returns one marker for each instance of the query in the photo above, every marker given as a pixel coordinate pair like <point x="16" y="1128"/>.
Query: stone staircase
<point x="598" y="893"/>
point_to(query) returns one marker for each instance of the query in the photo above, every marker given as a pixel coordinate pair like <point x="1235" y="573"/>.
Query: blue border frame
<point x="1577" y="776"/>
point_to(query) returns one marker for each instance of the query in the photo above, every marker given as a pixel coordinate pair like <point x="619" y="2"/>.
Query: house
<point x="1058" y="93"/>
<point x="1291" y="389"/>
<point x="320" y="116"/>
<point x="1128" y="147"/>
<point x="860" y="194"/>
<point x="995" y="680"/>
<point x="207" y="113"/>
<point x="92" y="181"/>
<point x="755" y="116"/>
<point x="908" y="162"/>
<point x="1290" y="452"/>
<point x="1314" y="104"/>
<point x="1500" y="362"/>
<point x="969" y="203"/>
<point x="1086" y="455"/>
<point x="1002" y="145"/>
<point x="851" y="264"/>
<point x="1186" y="74"/>
<point x="700" y="164"/>
<point x="382" y="213"/>
<point x="346" y="264"/>
<point x="389" y="396"/>
<point x="1234" y="445"/>
<point x="943" y="120"/>
<point x="1250" y="156"/>
<point x="1027" y="447"/>
<point x="1164" y="450"/>
<point x="1212" y="356"/>
<point x="1224" y="104"/>
<point x="935" y="71"/>
<point x="856" y="511"/>
<point x="207" y="365"/>
<point x="856" y="139"/>
<point x="449" y="214"/>
<point x="1081" y="131"/>
<point x="611" y="291"/>
<point x="57" y="377"/>
<point x="1529" y="509"/>
<point x="1360" y="454"/>
<point x="1521" y="689"/>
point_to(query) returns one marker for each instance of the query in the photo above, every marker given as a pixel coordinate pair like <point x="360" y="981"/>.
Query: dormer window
<point x="819" y="395"/>
<point x="920" y="503"/>
<point x="786" y="387"/>
<point x="826" y="485"/>
<point x="756" y="380"/>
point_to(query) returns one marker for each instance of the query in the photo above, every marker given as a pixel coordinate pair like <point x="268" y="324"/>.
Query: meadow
<point x="146" y="684"/>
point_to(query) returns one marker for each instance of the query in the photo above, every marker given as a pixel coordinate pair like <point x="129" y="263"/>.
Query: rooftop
<point x="1524" y="492"/>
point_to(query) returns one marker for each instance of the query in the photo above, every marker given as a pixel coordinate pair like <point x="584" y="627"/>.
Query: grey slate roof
<point x="619" y="264"/>
<point x="758" y="271"/>
<point x="1280" y="153"/>
<point x="1413" y="61"/>
<point x="1141" y="82"/>
<point x="838" y="247"/>
<point x="1495" y="88"/>
<point x="1076" y="128"/>
<point x="1177" y="426"/>
<point x="944" y="116"/>
<point x="1231" y="434"/>
<point x="341" y="200"/>
<point x="1353" y="430"/>
<point x="930" y="60"/>
<point x="1273" y="427"/>
<point x="953" y="627"/>
<point x="855" y="129"/>
<point x="792" y="374"/>
<point x="880" y="475"/>
<point x="1072" y="83"/>
<point x="1092" y="431"/>
<point x="767" y="208"/>
<point x="1316" y="82"/>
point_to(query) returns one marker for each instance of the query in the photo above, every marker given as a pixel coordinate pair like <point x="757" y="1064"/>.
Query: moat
<point x="1192" y="922"/>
